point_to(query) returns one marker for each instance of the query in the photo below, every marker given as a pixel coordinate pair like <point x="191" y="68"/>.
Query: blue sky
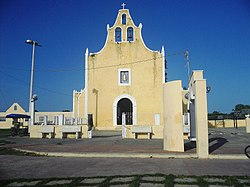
<point x="216" y="33"/>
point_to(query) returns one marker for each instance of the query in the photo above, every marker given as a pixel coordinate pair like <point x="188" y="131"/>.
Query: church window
<point x="124" y="19"/>
<point x="130" y="34"/>
<point x="124" y="77"/>
<point x="118" y="34"/>
<point x="15" y="107"/>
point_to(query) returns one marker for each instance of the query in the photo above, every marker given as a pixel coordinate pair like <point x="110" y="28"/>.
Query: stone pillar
<point x="248" y="123"/>
<point x="172" y="110"/>
<point x="201" y="122"/>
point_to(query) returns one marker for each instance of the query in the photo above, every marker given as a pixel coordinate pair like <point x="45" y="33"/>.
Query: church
<point x="125" y="76"/>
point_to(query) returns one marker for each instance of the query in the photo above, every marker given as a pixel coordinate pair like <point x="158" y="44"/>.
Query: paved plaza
<point x="109" y="160"/>
<point x="222" y="141"/>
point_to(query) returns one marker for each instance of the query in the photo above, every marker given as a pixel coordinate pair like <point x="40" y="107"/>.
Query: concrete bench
<point x="71" y="129"/>
<point x="47" y="129"/>
<point x="142" y="129"/>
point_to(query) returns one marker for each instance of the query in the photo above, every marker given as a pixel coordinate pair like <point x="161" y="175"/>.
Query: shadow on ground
<point x="214" y="144"/>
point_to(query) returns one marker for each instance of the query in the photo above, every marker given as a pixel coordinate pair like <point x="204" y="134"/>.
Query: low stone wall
<point x="226" y="123"/>
<point x="35" y="131"/>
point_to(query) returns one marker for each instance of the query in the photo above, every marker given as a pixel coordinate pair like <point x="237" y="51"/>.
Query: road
<point x="12" y="166"/>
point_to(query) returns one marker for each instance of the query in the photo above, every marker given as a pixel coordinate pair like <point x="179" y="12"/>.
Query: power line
<point x="116" y="65"/>
<point x="4" y="99"/>
<point x="39" y="87"/>
<point x="80" y="69"/>
<point x="101" y="67"/>
<point x="45" y="70"/>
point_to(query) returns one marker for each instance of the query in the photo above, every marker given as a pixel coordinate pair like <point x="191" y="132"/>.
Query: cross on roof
<point x="123" y="5"/>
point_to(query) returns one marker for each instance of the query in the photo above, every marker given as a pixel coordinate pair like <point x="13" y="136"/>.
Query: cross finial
<point x="123" y="5"/>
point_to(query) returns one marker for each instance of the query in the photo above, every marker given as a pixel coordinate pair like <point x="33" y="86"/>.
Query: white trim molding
<point x="86" y="85"/>
<point x="73" y="110"/>
<point x="163" y="64"/>
<point x="119" y="77"/>
<point x="117" y="99"/>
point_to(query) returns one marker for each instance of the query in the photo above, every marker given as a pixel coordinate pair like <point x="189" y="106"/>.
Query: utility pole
<point x="188" y="63"/>
<point x="32" y="97"/>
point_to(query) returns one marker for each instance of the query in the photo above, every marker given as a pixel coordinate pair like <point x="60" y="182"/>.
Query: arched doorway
<point x="124" y="105"/>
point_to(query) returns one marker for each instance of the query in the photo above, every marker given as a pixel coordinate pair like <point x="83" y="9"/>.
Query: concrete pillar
<point x="197" y="75"/>
<point x="172" y="110"/>
<point x="199" y="90"/>
<point x="192" y="135"/>
<point x="248" y="123"/>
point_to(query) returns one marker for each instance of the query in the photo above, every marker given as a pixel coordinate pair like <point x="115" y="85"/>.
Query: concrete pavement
<point x="47" y="167"/>
<point x="107" y="154"/>
<point x="223" y="144"/>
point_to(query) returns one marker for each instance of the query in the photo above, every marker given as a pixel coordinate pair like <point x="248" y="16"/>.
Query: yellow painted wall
<point x="226" y="123"/>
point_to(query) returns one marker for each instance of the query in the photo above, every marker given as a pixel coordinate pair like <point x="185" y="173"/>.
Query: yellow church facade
<point x="125" y="76"/>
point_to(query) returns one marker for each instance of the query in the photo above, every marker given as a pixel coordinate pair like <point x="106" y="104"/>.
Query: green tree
<point x="239" y="107"/>
<point x="66" y="111"/>
<point x="216" y="112"/>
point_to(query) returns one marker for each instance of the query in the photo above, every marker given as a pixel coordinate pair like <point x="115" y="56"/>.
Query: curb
<point x="109" y="155"/>
<point x="135" y="155"/>
<point x="228" y="156"/>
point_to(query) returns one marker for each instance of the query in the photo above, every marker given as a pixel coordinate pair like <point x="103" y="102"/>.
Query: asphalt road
<point x="12" y="167"/>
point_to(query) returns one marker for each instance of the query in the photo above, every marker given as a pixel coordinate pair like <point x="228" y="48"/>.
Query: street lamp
<point x="208" y="89"/>
<point x="31" y="99"/>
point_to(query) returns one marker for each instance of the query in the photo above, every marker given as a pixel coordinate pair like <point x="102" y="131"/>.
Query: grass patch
<point x="137" y="180"/>
<point x="4" y="133"/>
<point x="169" y="180"/>
<point x="202" y="182"/>
<point x="3" y="142"/>
<point x="232" y="181"/>
<point x="10" y="151"/>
